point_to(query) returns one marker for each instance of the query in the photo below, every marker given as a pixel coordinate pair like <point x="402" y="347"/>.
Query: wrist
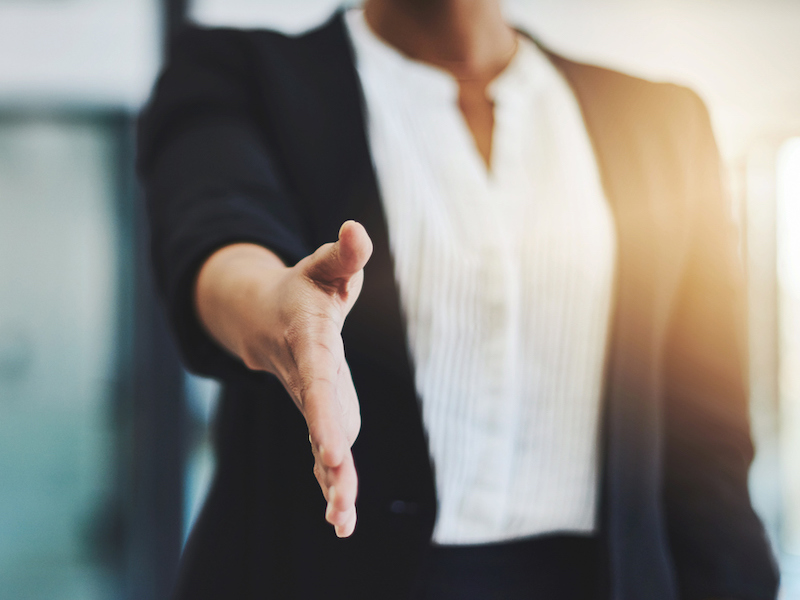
<point x="235" y="294"/>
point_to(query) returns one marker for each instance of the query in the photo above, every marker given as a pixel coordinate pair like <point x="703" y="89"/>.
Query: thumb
<point x="336" y="263"/>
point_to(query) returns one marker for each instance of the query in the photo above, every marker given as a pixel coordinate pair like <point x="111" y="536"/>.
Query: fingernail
<point x="342" y="228"/>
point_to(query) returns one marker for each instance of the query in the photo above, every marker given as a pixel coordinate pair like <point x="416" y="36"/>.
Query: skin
<point x="468" y="38"/>
<point x="288" y="320"/>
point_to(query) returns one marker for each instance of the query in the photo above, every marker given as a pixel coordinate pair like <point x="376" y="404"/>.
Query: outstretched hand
<point x="288" y="321"/>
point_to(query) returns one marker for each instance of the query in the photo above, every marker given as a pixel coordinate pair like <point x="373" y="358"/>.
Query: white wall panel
<point x="102" y="53"/>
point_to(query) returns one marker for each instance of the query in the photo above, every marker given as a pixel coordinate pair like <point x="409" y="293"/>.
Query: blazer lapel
<point x="645" y="201"/>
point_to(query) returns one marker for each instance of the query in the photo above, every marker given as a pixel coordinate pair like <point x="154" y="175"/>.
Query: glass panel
<point x="202" y="397"/>
<point x="57" y="327"/>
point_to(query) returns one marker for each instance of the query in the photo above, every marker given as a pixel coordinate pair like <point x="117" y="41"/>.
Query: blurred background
<point x="104" y="447"/>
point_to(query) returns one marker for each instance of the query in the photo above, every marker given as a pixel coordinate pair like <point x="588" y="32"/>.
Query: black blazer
<point x="256" y="136"/>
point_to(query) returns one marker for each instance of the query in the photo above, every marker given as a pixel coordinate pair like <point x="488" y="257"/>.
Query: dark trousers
<point x="562" y="567"/>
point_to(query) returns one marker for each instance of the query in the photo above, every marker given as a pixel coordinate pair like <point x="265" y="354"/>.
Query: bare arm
<point x="288" y="321"/>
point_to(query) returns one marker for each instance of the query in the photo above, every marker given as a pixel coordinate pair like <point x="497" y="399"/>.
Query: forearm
<point x="236" y="291"/>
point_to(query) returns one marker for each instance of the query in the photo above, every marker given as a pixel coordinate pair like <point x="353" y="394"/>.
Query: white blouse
<point x="505" y="280"/>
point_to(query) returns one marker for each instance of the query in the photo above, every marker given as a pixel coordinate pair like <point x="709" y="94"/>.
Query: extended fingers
<point x="320" y="383"/>
<point x="342" y="491"/>
<point x="316" y="387"/>
<point x="340" y="487"/>
<point x="324" y="419"/>
<point x="344" y="522"/>
<point x="330" y="407"/>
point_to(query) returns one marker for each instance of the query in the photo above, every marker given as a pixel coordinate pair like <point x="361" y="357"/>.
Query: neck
<point x="469" y="38"/>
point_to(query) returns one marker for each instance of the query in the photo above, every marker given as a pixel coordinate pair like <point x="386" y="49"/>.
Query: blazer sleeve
<point x="210" y="178"/>
<point x="718" y="544"/>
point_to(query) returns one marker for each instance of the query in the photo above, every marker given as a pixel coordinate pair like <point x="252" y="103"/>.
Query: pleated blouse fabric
<point x="505" y="279"/>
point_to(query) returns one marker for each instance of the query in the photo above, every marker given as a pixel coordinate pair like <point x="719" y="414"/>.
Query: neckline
<point x="430" y="79"/>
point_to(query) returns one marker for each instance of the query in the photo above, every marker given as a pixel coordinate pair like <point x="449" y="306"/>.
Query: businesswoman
<point x="477" y="309"/>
